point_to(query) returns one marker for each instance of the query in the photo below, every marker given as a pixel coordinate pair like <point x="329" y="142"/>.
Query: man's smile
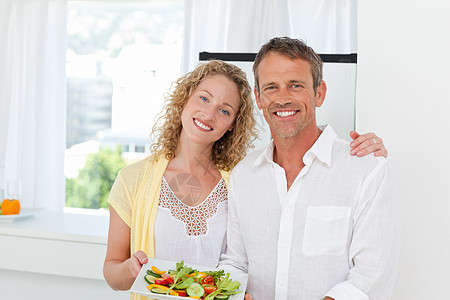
<point x="286" y="113"/>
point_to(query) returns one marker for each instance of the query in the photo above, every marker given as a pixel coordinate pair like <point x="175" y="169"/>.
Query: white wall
<point x="403" y="94"/>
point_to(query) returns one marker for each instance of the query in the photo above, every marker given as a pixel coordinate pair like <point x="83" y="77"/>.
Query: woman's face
<point x="211" y="110"/>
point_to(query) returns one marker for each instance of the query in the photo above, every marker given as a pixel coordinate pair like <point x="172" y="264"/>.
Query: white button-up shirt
<point x="333" y="233"/>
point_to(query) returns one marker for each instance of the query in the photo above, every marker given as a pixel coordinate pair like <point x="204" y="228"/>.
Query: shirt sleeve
<point x="235" y="257"/>
<point x="119" y="198"/>
<point x="375" y="244"/>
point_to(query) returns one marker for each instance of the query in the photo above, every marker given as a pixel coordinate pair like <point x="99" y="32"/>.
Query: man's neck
<point x="288" y="152"/>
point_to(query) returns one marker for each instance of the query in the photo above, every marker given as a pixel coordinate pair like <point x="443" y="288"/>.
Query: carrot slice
<point x="157" y="271"/>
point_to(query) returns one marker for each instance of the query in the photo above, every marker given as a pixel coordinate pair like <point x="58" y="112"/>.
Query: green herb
<point x="185" y="283"/>
<point x="224" y="286"/>
<point x="216" y="275"/>
<point x="180" y="265"/>
<point x="180" y="274"/>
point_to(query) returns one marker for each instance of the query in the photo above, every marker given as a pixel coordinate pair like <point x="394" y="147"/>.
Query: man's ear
<point x="321" y="93"/>
<point x="258" y="100"/>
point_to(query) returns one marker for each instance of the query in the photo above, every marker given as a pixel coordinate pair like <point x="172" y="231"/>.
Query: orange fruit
<point x="10" y="207"/>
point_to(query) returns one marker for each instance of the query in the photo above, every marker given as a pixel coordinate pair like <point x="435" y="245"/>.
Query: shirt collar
<point x="266" y="155"/>
<point x="321" y="149"/>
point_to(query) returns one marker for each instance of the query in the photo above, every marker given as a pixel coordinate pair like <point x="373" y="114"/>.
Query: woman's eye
<point x="203" y="98"/>
<point x="225" y="112"/>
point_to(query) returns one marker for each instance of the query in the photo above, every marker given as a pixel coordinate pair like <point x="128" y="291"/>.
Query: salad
<point x="187" y="282"/>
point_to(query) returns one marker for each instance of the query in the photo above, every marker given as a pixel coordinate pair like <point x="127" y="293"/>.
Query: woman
<point x="172" y="205"/>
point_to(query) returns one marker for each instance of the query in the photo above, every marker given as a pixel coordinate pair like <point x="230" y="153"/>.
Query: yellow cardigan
<point x="135" y="196"/>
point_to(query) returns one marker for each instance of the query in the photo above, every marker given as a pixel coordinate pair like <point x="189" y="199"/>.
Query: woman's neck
<point x="193" y="157"/>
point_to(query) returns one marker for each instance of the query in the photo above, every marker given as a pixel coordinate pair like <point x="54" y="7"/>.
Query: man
<point x="306" y="219"/>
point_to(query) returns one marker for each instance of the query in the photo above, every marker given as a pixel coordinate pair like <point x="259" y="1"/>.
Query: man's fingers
<point x="247" y="297"/>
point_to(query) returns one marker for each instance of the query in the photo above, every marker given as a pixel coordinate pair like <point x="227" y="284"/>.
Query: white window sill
<point x="63" y="226"/>
<point x="56" y="243"/>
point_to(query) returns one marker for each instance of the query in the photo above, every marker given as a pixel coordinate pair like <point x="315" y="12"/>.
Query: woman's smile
<point x="202" y="125"/>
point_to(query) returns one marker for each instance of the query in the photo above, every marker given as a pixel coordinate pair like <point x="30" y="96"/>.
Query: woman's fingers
<point x="136" y="261"/>
<point x="367" y="143"/>
<point x="141" y="257"/>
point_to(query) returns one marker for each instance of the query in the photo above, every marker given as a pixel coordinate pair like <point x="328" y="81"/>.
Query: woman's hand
<point x="135" y="263"/>
<point x="119" y="269"/>
<point x="366" y="144"/>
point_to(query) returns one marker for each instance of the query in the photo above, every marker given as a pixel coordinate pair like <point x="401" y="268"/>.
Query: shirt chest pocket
<point x="326" y="230"/>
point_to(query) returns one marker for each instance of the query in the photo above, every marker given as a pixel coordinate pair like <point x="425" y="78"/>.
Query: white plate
<point x="24" y="213"/>
<point x="140" y="285"/>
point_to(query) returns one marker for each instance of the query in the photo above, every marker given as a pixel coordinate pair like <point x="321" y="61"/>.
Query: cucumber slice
<point x="185" y="283"/>
<point x="150" y="278"/>
<point x="221" y="297"/>
<point x="195" y="289"/>
<point x="158" y="290"/>
<point x="150" y="272"/>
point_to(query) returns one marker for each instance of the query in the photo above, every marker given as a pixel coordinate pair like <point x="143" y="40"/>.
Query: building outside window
<point x="121" y="60"/>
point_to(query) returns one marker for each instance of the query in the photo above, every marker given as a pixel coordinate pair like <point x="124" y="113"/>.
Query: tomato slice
<point x="209" y="289"/>
<point x="167" y="277"/>
<point x="161" y="282"/>
<point x="208" y="280"/>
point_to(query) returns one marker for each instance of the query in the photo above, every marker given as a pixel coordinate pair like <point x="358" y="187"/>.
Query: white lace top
<point x="195" y="234"/>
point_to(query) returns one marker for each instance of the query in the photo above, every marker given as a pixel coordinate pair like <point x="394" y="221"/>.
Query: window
<point x="121" y="59"/>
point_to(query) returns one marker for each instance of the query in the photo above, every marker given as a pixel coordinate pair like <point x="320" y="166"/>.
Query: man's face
<point x="286" y="95"/>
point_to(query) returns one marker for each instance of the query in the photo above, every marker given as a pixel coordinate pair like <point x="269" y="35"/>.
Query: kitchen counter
<point x="54" y="255"/>
<point x="59" y="226"/>
<point x="55" y="243"/>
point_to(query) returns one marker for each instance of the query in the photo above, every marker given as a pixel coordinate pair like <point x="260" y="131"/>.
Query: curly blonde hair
<point x="233" y="145"/>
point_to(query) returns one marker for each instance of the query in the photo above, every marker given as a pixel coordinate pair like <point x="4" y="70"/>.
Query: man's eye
<point x="225" y="112"/>
<point x="270" y="88"/>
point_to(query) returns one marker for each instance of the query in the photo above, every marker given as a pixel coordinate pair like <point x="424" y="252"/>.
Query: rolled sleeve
<point x="346" y="291"/>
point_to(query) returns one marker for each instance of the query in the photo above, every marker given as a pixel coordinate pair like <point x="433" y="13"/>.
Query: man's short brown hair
<point x="294" y="49"/>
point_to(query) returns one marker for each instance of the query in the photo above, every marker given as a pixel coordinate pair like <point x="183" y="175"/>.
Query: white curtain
<point x="329" y="26"/>
<point x="32" y="94"/>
